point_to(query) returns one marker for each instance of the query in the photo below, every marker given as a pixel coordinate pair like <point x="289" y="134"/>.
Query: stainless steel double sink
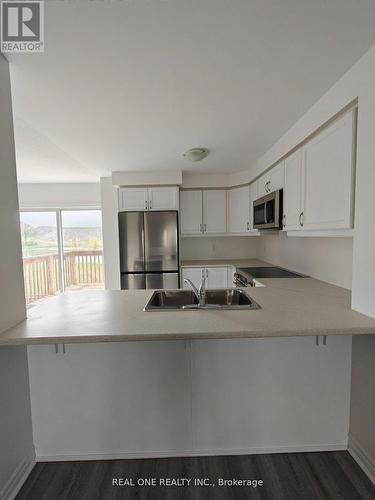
<point x="186" y="300"/>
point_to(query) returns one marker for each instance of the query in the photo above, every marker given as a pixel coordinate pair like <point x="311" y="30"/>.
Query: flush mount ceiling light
<point x="196" y="154"/>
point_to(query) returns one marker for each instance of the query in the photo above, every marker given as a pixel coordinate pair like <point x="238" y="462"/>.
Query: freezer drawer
<point x="162" y="280"/>
<point x="133" y="281"/>
<point x="161" y="241"/>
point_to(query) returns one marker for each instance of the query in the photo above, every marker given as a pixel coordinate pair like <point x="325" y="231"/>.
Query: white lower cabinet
<point x="263" y="395"/>
<point x="216" y="277"/>
<point x="194" y="274"/>
<point x="110" y="400"/>
<point x="139" y="399"/>
<point x="230" y="276"/>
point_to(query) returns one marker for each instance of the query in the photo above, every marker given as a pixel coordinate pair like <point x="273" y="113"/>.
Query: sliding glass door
<point x="40" y="249"/>
<point x="83" y="249"/>
<point x="62" y="251"/>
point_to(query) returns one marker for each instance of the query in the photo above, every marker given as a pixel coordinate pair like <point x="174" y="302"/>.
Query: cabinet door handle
<point x="265" y="187"/>
<point x="284" y="220"/>
<point x="200" y="228"/>
<point x="146" y="204"/>
<point x="268" y="186"/>
<point x="205" y="228"/>
<point x="202" y="273"/>
<point x="206" y="273"/>
<point x="150" y="204"/>
<point x="301" y="219"/>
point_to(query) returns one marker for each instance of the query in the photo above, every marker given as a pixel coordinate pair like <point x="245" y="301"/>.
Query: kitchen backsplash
<point x="226" y="247"/>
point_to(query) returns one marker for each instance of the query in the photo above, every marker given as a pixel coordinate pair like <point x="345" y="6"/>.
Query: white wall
<point x="362" y="411"/>
<point x="225" y="247"/>
<point x="62" y="195"/>
<point x="16" y="446"/>
<point x="111" y="251"/>
<point x="179" y="398"/>
<point x="326" y="259"/>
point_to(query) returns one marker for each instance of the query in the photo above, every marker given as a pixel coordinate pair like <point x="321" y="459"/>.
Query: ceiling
<point x="132" y="84"/>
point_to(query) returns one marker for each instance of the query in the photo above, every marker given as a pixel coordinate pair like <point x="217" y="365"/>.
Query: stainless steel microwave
<point x="268" y="211"/>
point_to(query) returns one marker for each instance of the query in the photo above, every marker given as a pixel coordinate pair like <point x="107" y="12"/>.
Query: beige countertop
<point x="224" y="262"/>
<point x="289" y="307"/>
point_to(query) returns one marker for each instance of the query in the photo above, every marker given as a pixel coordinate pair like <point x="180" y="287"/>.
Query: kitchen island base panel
<point x="178" y="398"/>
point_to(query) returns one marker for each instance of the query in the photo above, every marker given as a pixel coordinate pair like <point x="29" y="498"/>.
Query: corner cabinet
<point x="203" y="211"/>
<point x="319" y="180"/>
<point x="148" y="198"/>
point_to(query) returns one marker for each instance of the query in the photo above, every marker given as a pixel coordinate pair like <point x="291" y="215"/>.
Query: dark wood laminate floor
<point x="290" y="476"/>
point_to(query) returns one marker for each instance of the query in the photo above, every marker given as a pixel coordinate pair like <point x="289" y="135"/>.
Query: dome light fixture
<point x="196" y="154"/>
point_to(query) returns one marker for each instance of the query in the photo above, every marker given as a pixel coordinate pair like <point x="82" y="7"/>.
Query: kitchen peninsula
<point x="288" y="307"/>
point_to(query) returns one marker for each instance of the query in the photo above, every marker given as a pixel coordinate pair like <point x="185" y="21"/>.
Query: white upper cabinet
<point x="292" y="200"/>
<point x="276" y="177"/>
<point x="214" y="211"/>
<point x="254" y="195"/>
<point x="203" y="212"/>
<point x="163" y="198"/>
<point x="262" y="185"/>
<point x="148" y="198"/>
<point x="271" y="180"/>
<point x="328" y="177"/>
<point x="191" y="207"/>
<point x="239" y="210"/>
<point x="133" y="198"/>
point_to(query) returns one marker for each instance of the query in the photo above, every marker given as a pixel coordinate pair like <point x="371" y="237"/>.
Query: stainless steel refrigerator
<point x="149" y="255"/>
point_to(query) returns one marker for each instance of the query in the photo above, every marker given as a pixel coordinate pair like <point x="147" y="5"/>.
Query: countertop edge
<point x="86" y="339"/>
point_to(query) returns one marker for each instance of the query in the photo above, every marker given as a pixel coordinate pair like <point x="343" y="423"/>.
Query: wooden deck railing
<point x="82" y="268"/>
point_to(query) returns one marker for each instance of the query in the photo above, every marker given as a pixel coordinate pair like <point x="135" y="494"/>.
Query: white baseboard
<point x="362" y="458"/>
<point x="19" y="476"/>
<point x="192" y="453"/>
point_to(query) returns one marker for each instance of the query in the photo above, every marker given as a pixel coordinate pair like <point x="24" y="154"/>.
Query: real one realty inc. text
<point x="183" y="482"/>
